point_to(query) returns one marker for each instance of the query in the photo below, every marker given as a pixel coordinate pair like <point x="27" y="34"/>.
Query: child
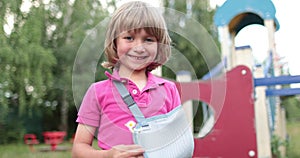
<point x="137" y="42"/>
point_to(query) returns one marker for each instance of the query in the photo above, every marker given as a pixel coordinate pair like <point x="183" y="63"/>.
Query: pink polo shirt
<point x="103" y="107"/>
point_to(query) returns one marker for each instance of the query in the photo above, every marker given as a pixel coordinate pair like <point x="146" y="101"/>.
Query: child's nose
<point x="139" y="48"/>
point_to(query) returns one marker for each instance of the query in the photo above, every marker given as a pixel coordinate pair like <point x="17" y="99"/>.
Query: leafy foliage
<point x="36" y="60"/>
<point x="276" y="143"/>
<point x="292" y="106"/>
<point x="202" y="56"/>
<point x="26" y="67"/>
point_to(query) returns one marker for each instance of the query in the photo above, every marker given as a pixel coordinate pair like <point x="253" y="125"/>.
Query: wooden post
<point x="269" y="23"/>
<point x="280" y="126"/>
<point x="243" y="56"/>
<point x="283" y="132"/>
<point x="226" y="45"/>
<point x="263" y="136"/>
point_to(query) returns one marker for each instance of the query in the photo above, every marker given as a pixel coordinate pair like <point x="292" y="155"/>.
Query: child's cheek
<point x="122" y="51"/>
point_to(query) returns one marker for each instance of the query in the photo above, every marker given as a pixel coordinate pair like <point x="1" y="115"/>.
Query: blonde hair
<point x="137" y="15"/>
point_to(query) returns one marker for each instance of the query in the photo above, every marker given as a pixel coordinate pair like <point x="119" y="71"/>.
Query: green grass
<point x="22" y="151"/>
<point x="293" y="129"/>
<point x="42" y="150"/>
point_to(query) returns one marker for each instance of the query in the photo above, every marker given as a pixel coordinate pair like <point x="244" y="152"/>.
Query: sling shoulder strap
<point x="133" y="107"/>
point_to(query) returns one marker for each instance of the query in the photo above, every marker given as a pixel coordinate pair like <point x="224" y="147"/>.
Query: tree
<point x="72" y="22"/>
<point x="36" y="60"/>
<point x="26" y="66"/>
<point x="204" y="54"/>
<point x="292" y="106"/>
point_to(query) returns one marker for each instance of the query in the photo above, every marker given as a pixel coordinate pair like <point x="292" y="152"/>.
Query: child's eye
<point x="150" y="39"/>
<point x="129" y="38"/>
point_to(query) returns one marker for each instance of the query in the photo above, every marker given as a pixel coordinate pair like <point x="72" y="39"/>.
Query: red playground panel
<point x="231" y="97"/>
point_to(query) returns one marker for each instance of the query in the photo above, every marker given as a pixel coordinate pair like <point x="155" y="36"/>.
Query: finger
<point x="138" y="151"/>
<point x="133" y="153"/>
<point x="136" y="157"/>
<point x="128" y="147"/>
<point x="133" y="146"/>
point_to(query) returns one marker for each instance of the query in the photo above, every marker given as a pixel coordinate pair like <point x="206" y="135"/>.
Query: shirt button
<point x="134" y="91"/>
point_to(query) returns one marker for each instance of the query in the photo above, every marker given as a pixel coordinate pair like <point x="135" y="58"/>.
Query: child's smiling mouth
<point x="137" y="57"/>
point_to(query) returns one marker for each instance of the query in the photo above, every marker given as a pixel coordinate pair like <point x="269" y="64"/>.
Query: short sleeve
<point x="89" y="112"/>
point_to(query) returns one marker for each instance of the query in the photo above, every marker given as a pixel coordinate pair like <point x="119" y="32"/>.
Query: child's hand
<point x="126" y="151"/>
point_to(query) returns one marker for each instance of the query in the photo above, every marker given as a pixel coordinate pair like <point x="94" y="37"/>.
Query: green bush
<point x="276" y="143"/>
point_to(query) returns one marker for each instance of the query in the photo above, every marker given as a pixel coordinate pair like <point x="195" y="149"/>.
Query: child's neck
<point x="138" y="77"/>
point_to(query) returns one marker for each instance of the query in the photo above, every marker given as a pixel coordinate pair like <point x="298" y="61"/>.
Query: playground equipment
<point x="233" y="133"/>
<point x="248" y="113"/>
<point x="230" y="18"/>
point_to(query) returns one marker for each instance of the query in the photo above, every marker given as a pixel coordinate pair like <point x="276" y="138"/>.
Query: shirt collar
<point x="153" y="81"/>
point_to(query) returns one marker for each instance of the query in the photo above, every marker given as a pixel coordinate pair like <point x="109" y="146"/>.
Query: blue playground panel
<point x="231" y="8"/>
